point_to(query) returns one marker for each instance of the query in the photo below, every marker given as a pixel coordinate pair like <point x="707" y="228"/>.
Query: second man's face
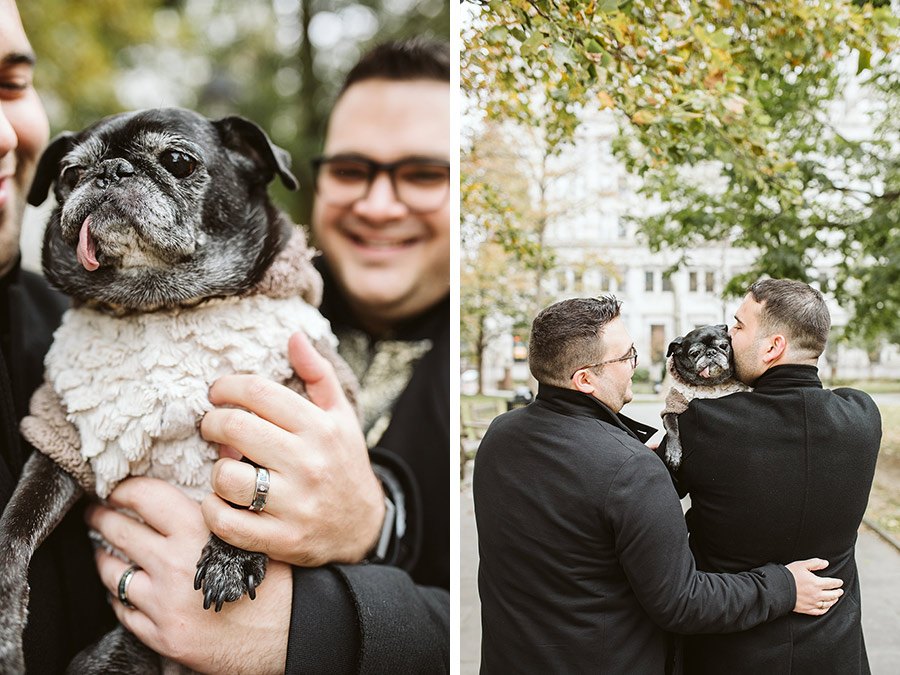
<point x="745" y="343"/>
<point x="612" y="381"/>
<point x="390" y="261"/>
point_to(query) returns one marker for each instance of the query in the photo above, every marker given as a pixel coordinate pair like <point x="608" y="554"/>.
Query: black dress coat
<point x="391" y="618"/>
<point x="584" y="558"/>
<point x="781" y="473"/>
<point x="67" y="607"/>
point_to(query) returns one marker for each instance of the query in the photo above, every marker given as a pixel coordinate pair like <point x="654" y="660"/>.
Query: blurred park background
<point x="276" y="62"/>
<point x="671" y="152"/>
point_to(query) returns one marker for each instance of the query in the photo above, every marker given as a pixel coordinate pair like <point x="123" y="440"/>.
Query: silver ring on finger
<point x="124" y="580"/>
<point x="261" y="493"/>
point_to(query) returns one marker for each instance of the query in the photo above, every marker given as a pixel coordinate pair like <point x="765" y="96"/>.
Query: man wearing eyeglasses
<point x="584" y="558"/>
<point x="381" y="218"/>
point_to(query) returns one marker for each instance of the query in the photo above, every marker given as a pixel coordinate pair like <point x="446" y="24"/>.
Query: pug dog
<point x="181" y="270"/>
<point x="702" y="366"/>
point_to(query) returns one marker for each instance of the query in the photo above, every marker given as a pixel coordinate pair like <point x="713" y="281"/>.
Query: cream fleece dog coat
<point x="124" y="396"/>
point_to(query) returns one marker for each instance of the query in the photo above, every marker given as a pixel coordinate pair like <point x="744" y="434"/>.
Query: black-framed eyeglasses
<point x="421" y="183"/>
<point x="632" y="356"/>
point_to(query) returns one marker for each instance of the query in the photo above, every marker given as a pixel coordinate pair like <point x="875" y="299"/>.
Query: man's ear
<point x="777" y="347"/>
<point x="581" y="382"/>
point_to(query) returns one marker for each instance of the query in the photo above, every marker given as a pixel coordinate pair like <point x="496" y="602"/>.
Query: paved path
<point x="879" y="569"/>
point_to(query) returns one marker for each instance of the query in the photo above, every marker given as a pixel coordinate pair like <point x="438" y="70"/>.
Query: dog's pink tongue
<point x="87" y="252"/>
<point x="705" y="372"/>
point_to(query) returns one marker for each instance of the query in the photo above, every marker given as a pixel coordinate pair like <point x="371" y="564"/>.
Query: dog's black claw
<point x="198" y="577"/>
<point x="225" y="573"/>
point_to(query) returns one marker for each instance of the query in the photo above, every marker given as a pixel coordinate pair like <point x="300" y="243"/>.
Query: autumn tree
<point x="501" y="254"/>
<point x="742" y="86"/>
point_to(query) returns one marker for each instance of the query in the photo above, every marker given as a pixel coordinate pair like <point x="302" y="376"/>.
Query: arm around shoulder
<point x="652" y="546"/>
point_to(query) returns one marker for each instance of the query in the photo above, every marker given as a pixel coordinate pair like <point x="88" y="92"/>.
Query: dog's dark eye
<point x="177" y="163"/>
<point x="70" y="176"/>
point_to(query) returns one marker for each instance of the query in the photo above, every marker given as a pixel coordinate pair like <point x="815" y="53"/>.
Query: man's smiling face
<point x="390" y="262"/>
<point x="23" y="130"/>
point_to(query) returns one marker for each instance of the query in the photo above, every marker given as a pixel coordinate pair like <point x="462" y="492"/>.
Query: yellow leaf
<point x="644" y="117"/>
<point x="606" y="101"/>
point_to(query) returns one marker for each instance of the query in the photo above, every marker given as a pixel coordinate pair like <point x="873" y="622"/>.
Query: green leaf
<point x="720" y="40"/>
<point x="496" y="35"/>
<point x="608" y="5"/>
<point x="591" y="46"/>
<point x="534" y="42"/>
<point x="865" y="61"/>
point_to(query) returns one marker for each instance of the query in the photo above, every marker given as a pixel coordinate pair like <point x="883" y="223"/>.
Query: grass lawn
<point x="869" y="386"/>
<point x="884" y="502"/>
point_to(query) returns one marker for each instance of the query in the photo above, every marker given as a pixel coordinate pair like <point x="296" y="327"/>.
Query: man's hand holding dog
<point x="168" y="615"/>
<point x="325" y="503"/>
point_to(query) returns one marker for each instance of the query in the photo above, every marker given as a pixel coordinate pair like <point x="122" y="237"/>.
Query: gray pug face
<point x="703" y="357"/>
<point x="160" y="208"/>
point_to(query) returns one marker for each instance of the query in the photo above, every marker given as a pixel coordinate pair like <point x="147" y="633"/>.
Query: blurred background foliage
<point x="277" y="62"/>
<point x="742" y="87"/>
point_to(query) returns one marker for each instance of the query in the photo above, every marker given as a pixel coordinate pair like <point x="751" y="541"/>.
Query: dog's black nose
<point x="113" y="170"/>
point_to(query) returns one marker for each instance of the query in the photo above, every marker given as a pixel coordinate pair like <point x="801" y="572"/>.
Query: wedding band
<point x="262" y="489"/>
<point x="123" y="586"/>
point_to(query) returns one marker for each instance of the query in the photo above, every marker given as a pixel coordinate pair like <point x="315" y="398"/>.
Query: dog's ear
<point x="674" y="346"/>
<point x="48" y="167"/>
<point x="245" y="137"/>
<point x="722" y="327"/>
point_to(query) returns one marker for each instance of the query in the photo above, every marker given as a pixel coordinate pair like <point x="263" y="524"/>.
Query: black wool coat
<point x="391" y="618"/>
<point x="781" y="473"/>
<point x="67" y="607"/>
<point x="584" y="558"/>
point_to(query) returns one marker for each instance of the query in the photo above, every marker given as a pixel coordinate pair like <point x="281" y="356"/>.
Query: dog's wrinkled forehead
<point x="143" y="133"/>
<point x="711" y="336"/>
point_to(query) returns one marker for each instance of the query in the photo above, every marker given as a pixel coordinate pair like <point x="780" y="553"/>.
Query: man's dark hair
<point x="565" y="337"/>
<point x="796" y="309"/>
<point x="402" y="60"/>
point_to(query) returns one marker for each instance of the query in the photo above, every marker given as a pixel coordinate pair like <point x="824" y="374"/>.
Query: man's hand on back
<point x="815" y="594"/>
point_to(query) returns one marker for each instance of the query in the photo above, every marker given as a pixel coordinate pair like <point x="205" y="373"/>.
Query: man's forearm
<point x="367" y="618"/>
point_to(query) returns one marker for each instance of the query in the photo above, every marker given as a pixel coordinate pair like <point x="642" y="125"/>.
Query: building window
<point x="710" y="282"/>
<point x="604" y="283"/>
<point x="562" y="280"/>
<point x="667" y="282"/>
<point x="692" y="282"/>
<point x="579" y="282"/>
<point x="648" y="282"/>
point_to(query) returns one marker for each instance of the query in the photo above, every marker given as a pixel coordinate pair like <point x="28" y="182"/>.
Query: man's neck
<point x="793" y="361"/>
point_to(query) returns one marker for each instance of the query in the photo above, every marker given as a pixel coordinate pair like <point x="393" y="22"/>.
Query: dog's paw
<point x="673" y="453"/>
<point x="225" y="573"/>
